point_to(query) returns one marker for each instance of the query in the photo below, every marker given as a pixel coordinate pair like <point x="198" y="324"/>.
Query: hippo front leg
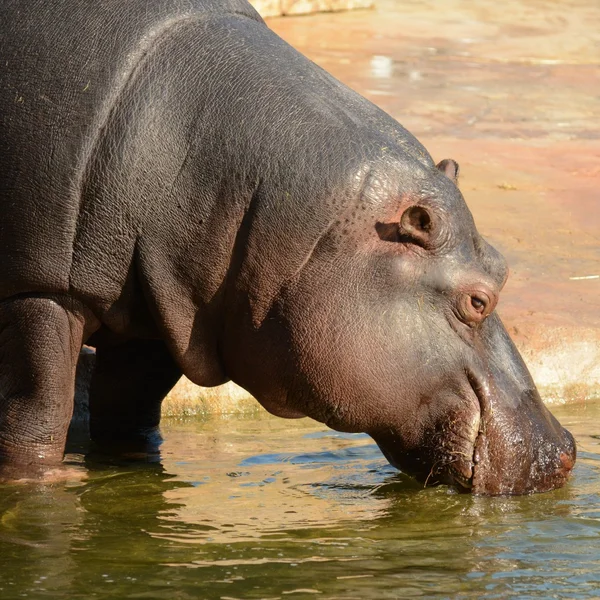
<point x="40" y="340"/>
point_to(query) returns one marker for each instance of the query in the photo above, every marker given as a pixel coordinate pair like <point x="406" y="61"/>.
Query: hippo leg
<point x="129" y="384"/>
<point x="40" y="340"/>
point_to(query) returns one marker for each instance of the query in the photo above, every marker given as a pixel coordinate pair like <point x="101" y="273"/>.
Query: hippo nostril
<point x="566" y="461"/>
<point x="568" y="456"/>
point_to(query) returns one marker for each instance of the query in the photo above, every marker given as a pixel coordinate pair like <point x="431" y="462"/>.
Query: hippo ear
<point x="449" y="168"/>
<point x="416" y="225"/>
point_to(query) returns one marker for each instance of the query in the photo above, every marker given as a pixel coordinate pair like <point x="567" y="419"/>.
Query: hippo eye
<point x="474" y="307"/>
<point x="478" y="304"/>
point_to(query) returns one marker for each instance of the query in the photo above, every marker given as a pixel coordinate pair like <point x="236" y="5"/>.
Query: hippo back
<point x="64" y="65"/>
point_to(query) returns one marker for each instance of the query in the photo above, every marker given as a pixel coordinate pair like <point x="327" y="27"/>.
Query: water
<point x="260" y="507"/>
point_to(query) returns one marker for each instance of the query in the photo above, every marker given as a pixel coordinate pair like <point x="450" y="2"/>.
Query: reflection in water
<point x="382" y="67"/>
<point x="35" y="538"/>
<point x="227" y="515"/>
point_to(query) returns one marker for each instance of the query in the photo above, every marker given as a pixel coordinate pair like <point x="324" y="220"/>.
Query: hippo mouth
<point x="459" y="480"/>
<point x="462" y="471"/>
<point x="510" y="450"/>
<point x="496" y="440"/>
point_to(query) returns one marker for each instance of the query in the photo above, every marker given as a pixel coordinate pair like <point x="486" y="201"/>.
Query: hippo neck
<point x="275" y="156"/>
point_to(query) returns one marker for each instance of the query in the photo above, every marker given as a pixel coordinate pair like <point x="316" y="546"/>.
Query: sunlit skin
<point x="198" y="198"/>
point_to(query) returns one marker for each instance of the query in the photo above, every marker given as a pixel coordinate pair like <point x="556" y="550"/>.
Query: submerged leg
<point x="40" y="339"/>
<point x="129" y="384"/>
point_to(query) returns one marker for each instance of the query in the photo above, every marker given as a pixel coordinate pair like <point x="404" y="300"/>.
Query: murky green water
<point x="266" y="508"/>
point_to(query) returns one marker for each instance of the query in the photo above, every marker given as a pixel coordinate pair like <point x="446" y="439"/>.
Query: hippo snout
<point x="522" y="472"/>
<point x="521" y="449"/>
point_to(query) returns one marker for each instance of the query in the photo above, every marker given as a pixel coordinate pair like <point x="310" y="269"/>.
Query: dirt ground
<point x="511" y="90"/>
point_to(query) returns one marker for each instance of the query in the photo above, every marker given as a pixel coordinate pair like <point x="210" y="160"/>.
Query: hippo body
<point x="184" y="191"/>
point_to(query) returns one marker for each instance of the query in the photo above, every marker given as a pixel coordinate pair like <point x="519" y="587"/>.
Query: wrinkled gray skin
<point x="183" y="190"/>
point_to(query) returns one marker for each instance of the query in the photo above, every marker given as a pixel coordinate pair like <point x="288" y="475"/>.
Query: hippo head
<point x="386" y="324"/>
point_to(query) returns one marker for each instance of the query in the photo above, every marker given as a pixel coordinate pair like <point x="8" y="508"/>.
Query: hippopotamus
<point x="188" y="194"/>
